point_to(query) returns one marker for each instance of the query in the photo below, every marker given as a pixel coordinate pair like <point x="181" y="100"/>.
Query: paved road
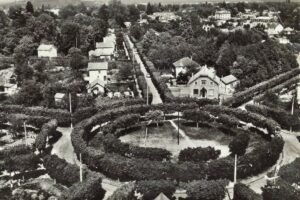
<point x="156" y="97"/>
<point x="63" y="148"/>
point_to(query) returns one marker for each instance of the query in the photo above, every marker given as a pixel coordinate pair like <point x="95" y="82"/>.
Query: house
<point x="58" y="98"/>
<point x="288" y="31"/>
<point x="97" y="76"/>
<point x="10" y="88"/>
<point x="206" y="84"/>
<point x="182" y="64"/>
<point x="274" y="29"/>
<point x="164" y="17"/>
<point x="105" y="50"/>
<point x="47" y="51"/>
<point x="161" y="196"/>
<point x="207" y="27"/>
<point x="222" y="15"/>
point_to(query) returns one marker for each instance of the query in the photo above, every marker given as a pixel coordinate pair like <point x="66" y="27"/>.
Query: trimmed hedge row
<point x="113" y="144"/>
<point x="63" y="117"/>
<point x="257" y="120"/>
<point x="117" y="166"/>
<point x="285" y="119"/>
<point x="36" y="121"/>
<point x="47" y="129"/>
<point x="229" y="120"/>
<point x="84" y="113"/>
<point x="287" y="84"/>
<point x="242" y="97"/>
<point x="198" y="154"/>
<point x="125" y="192"/>
<point x="143" y="86"/>
<point x="243" y="192"/>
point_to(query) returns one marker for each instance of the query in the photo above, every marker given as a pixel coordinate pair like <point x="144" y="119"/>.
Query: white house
<point x="58" y="97"/>
<point x="97" y="76"/>
<point x="47" y="51"/>
<point x="274" y="29"/>
<point x="222" y="15"/>
<point x="10" y="88"/>
<point x="105" y="50"/>
<point x="206" y="84"/>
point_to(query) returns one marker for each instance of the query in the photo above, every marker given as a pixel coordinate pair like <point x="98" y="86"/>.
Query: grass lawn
<point x="206" y="133"/>
<point x="166" y="137"/>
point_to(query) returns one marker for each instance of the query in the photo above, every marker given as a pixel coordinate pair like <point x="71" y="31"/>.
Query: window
<point x="211" y="83"/>
<point x="104" y="78"/>
<point x="203" y="82"/>
<point x="196" y="91"/>
<point x="211" y="92"/>
<point x="195" y="82"/>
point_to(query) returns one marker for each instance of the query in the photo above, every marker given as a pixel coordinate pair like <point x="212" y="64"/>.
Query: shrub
<point x="285" y="119"/>
<point x="121" y="122"/>
<point x="206" y="190"/>
<point x="197" y="116"/>
<point x="243" y="192"/>
<point x="239" y="144"/>
<point x="280" y="190"/>
<point x="88" y="190"/>
<point x="21" y="162"/>
<point x="125" y="192"/>
<point x="291" y="172"/>
<point x="198" y="154"/>
<point x="47" y="130"/>
<point x="151" y="189"/>
<point x="63" y="172"/>
<point x="230" y="121"/>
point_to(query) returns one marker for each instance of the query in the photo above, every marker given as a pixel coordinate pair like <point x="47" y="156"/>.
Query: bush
<point x="47" y="130"/>
<point x="206" y="190"/>
<point x="63" y="172"/>
<point x="291" y="172"/>
<point x="88" y="190"/>
<point x="198" y="154"/>
<point x="21" y="162"/>
<point x="125" y="192"/>
<point x="151" y="189"/>
<point x="280" y="190"/>
<point x="121" y="122"/>
<point x="230" y="121"/>
<point x="197" y="116"/>
<point x="285" y="119"/>
<point x="239" y="144"/>
<point x="243" y="192"/>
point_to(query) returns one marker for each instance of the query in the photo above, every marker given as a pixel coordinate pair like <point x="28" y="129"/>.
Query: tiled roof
<point x="183" y="62"/>
<point x="45" y="47"/>
<point x="205" y="72"/>
<point x="228" y="79"/>
<point x="93" y="66"/>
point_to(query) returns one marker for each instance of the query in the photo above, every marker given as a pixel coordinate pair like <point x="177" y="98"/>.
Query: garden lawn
<point x="166" y="137"/>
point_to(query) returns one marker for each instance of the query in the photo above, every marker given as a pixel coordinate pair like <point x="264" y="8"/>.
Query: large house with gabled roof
<point x="97" y="72"/>
<point x="206" y="84"/>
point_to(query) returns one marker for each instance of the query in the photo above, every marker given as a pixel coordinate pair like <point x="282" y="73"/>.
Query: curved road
<point x="156" y="97"/>
<point x="63" y="148"/>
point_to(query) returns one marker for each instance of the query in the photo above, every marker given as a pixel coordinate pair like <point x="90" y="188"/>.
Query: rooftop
<point x="95" y="66"/>
<point x="205" y="72"/>
<point x="184" y="62"/>
<point x="229" y="79"/>
<point x="46" y="47"/>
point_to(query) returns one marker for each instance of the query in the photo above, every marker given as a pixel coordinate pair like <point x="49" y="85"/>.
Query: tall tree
<point x="29" y="7"/>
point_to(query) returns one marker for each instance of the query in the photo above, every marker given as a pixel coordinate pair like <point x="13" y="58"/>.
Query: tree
<point x="90" y="189"/>
<point x="206" y="190"/>
<point x="16" y="124"/>
<point x="239" y="144"/>
<point x="155" y="116"/>
<point x="70" y="36"/>
<point x="280" y="190"/>
<point x="29" y="7"/>
<point x="77" y="61"/>
<point x="136" y="31"/>
<point x="198" y="154"/>
<point x="30" y="94"/>
<point x="149" y="9"/>
<point x="125" y="71"/>
<point x="151" y="189"/>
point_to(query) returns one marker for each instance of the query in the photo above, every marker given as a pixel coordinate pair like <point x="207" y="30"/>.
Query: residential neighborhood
<point x="149" y="100"/>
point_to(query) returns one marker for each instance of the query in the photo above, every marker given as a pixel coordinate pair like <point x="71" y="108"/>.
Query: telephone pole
<point x="25" y="133"/>
<point x="70" y="102"/>
<point x="80" y="167"/>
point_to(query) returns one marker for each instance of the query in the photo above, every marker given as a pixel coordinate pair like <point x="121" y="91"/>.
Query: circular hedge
<point x="122" y="161"/>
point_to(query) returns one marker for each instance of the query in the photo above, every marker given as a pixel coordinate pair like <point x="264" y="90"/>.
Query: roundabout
<point x="121" y="157"/>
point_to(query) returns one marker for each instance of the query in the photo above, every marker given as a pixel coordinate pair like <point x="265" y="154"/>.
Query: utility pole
<point x="178" y="129"/>
<point x="147" y="94"/>
<point x="292" y="110"/>
<point x="25" y="133"/>
<point x="80" y="167"/>
<point x="70" y="102"/>
<point x="235" y="169"/>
